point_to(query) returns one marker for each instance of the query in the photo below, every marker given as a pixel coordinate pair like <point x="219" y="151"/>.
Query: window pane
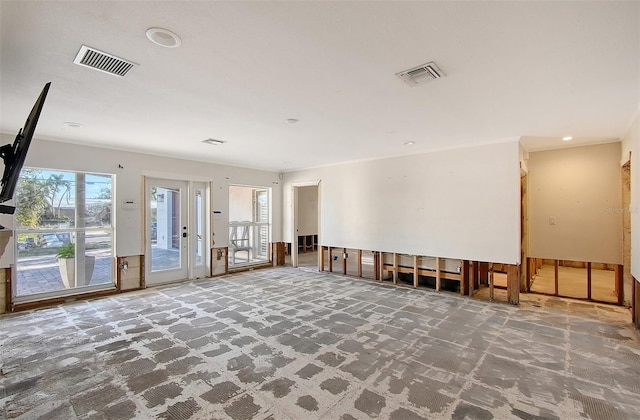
<point x="165" y="229"/>
<point x="55" y="251"/>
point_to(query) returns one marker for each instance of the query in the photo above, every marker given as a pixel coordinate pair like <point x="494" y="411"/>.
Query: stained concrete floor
<point x="290" y="343"/>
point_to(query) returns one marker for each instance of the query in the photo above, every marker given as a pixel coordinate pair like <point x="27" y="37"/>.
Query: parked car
<point x="50" y="241"/>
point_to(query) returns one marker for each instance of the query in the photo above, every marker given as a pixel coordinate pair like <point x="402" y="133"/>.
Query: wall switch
<point x="552" y="220"/>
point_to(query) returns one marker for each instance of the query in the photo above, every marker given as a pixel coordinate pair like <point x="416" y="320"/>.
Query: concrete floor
<point x="290" y="343"/>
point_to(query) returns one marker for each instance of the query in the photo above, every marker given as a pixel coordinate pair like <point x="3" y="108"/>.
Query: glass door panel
<point x="166" y="231"/>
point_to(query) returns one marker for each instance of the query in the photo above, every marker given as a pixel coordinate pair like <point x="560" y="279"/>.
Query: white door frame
<point x="188" y="267"/>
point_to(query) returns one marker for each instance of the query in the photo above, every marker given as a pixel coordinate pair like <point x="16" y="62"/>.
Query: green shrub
<point x="67" y="251"/>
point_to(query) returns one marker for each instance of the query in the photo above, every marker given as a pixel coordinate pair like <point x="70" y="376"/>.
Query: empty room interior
<point x="323" y="210"/>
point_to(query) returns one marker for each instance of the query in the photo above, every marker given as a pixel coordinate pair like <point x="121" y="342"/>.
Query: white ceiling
<point x="541" y="70"/>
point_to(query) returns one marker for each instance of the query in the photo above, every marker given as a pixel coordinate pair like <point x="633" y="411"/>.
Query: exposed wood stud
<point x="473" y="283"/>
<point x="555" y="274"/>
<point x="322" y="249"/>
<point x="491" y="291"/>
<point x="588" y="281"/>
<point x="376" y="264"/>
<point x="513" y="284"/>
<point x="438" y="280"/>
<point x="416" y="274"/>
<point x="395" y="268"/>
<point x="528" y="274"/>
<point x="619" y="285"/>
<point x="359" y="263"/>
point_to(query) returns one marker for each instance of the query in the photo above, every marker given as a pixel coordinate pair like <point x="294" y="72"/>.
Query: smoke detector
<point x="421" y="74"/>
<point x="102" y="61"/>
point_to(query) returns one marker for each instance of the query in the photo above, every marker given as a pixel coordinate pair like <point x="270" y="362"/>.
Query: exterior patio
<point x="40" y="274"/>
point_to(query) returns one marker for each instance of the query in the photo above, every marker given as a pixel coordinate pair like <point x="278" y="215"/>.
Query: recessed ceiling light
<point x="291" y="120"/>
<point x="567" y="138"/>
<point x="163" y="37"/>
<point x="409" y="143"/>
<point x="213" y="142"/>
<point x="72" y="124"/>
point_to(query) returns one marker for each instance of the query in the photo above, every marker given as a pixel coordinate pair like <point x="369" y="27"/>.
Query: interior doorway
<point x="175" y="230"/>
<point x="305" y="227"/>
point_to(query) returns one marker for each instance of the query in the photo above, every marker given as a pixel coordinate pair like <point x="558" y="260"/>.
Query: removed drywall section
<point x="575" y="204"/>
<point x="459" y="203"/>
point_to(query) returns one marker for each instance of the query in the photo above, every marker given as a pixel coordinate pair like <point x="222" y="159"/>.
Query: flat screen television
<point x="15" y="154"/>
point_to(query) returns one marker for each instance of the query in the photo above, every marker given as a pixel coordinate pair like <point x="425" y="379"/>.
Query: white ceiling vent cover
<point x="101" y="61"/>
<point x="421" y="74"/>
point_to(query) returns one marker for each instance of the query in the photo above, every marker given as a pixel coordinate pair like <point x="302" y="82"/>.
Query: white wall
<point x="129" y="186"/>
<point x="631" y="143"/>
<point x="459" y="203"/>
<point x="308" y="210"/>
<point x="581" y="188"/>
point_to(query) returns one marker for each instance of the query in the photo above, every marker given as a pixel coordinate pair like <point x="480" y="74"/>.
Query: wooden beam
<point x="464" y="280"/>
<point x="359" y="263"/>
<point x="619" y="284"/>
<point x="438" y="280"/>
<point x="528" y="274"/>
<point x="588" y="281"/>
<point x="491" y="295"/>
<point x="376" y="264"/>
<point x="473" y="284"/>
<point x="322" y="248"/>
<point x="416" y="274"/>
<point x="395" y="268"/>
<point x="513" y="284"/>
<point x="555" y="276"/>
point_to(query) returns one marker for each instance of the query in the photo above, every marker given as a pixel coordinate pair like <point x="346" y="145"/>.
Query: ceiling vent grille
<point x="101" y="61"/>
<point x="214" y="142"/>
<point x="421" y="74"/>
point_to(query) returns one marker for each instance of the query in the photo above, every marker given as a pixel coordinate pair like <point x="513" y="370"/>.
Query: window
<point x="249" y="225"/>
<point x="64" y="230"/>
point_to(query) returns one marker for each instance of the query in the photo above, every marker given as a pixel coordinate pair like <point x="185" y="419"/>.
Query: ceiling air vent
<point x="101" y="61"/>
<point x="421" y="74"/>
<point x="214" y="142"/>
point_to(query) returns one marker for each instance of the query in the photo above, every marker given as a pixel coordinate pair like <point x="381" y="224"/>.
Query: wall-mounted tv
<point x="15" y="154"/>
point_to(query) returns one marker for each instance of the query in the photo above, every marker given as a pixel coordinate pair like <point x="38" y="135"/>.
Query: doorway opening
<point x="249" y="225"/>
<point x="304" y="247"/>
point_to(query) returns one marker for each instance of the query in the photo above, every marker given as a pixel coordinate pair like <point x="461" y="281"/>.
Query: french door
<point x="175" y="230"/>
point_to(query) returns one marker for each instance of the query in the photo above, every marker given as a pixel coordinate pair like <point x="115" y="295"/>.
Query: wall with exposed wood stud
<point x="459" y="203"/>
<point x="631" y="143"/>
<point x="575" y="204"/>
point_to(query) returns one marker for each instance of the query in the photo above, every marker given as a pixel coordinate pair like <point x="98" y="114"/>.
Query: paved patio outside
<point x="40" y="274"/>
